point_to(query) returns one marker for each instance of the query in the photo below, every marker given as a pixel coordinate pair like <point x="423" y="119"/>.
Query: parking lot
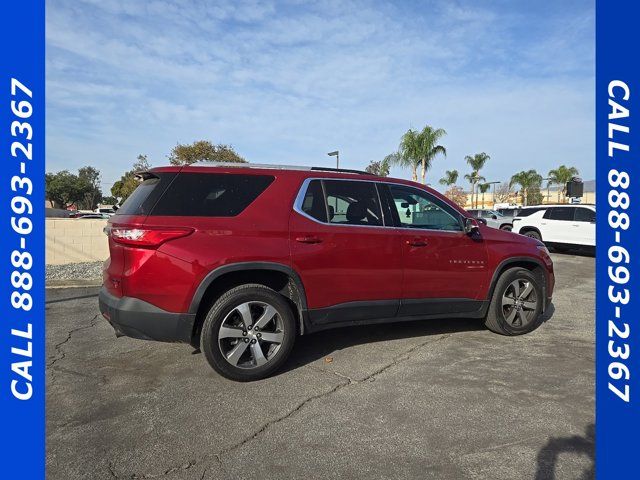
<point x="434" y="399"/>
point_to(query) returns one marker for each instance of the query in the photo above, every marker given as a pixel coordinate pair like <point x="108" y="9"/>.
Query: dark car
<point x="240" y="259"/>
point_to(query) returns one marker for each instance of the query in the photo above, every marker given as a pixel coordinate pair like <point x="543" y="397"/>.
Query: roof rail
<point x="340" y="170"/>
<point x="277" y="167"/>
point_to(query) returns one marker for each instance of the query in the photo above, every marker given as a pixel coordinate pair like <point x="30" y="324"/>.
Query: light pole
<point x="337" y="155"/>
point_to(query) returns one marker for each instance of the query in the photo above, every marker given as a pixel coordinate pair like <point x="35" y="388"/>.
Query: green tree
<point x="560" y="176"/>
<point x="380" y="167"/>
<point x="110" y="200"/>
<point x="418" y="149"/>
<point x="124" y="187"/>
<point x="203" y="151"/>
<point x="91" y="176"/>
<point x="529" y="181"/>
<point x="476" y="162"/>
<point x="65" y="189"/>
<point x="450" y="178"/>
<point x="483" y="188"/>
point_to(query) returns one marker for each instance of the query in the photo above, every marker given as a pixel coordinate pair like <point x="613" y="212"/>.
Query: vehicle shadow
<point x="309" y="348"/>
<point x="549" y="454"/>
<point x="312" y="347"/>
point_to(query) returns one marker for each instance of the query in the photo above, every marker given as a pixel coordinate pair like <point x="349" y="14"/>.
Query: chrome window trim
<point x="299" y="200"/>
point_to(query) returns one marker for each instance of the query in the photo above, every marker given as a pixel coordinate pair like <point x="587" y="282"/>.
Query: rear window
<point x="528" y="211"/>
<point x="560" y="213"/>
<point x="210" y="195"/>
<point x="143" y="198"/>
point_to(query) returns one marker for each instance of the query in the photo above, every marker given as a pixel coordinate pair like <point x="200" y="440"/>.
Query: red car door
<point x="348" y="260"/>
<point x="445" y="270"/>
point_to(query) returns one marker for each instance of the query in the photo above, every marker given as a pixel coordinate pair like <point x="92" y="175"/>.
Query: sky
<point x="287" y="82"/>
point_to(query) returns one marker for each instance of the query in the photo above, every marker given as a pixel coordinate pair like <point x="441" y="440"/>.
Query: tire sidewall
<point x="218" y="312"/>
<point x="496" y="305"/>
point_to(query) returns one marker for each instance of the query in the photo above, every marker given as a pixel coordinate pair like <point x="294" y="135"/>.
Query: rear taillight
<point x="145" y="236"/>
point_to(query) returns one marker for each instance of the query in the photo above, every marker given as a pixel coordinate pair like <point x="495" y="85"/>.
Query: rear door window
<point x="313" y="203"/>
<point x="352" y="203"/>
<point x="210" y="194"/>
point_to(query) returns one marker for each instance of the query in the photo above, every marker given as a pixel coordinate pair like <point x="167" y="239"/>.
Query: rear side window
<point x="143" y="198"/>
<point x="559" y="213"/>
<point x="210" y="194"/>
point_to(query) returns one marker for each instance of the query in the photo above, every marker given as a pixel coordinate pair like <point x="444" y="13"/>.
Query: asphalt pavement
<point x="434" y="399"/>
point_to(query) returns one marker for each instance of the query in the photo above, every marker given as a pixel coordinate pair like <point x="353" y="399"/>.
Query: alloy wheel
<point x="251" y="335"/>
<point x="519" y="303"/>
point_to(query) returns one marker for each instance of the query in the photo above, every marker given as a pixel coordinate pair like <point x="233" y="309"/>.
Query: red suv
<point x="240" y="259"/>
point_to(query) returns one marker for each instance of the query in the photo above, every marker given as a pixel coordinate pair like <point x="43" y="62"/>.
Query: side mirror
<point x="471" y="226"/>
<point x="495" y="217"/>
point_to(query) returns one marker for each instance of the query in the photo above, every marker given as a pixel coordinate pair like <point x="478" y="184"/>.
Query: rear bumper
<point x="136" y="318"/>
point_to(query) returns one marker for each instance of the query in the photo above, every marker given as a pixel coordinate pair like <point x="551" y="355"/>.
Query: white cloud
<point x="288" y="82"/>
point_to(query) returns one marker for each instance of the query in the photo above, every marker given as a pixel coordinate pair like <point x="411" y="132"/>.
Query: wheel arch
<point x="276" y="276"/>
<point x="532" y="264"/>
<point x="528" y="228"/>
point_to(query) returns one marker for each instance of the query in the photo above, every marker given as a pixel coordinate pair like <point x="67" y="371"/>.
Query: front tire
<point x="506" y="227"/>
<point x="516" y="304"/>
<point x="248" y="333"/>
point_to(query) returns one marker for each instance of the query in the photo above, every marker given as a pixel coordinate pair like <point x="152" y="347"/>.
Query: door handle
<point x="417" y="242"/>
<point x="309" y="239"/>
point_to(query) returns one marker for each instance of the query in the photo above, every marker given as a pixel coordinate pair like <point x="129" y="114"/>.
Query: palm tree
<point x="428" y="147"/>
<point x="560" y="176"/>
<point x="483" y="187"/>
<point x="474" y="178"/>
<point x="527" y="180"/>
<point x="418" y="149"/>
<point x="450" y="178"/>
<point x="476" y="162"/>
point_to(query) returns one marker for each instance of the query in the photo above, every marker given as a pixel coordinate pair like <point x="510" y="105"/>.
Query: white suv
<point x="565" y="225"/>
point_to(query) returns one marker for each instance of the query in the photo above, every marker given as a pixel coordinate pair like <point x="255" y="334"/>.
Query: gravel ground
<point x="75" y="271"/>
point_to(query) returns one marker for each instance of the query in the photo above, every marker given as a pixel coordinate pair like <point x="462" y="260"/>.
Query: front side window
<point x="584" y="215"/>
<point x="352" y="203"/>
<point x="418" y="209"/>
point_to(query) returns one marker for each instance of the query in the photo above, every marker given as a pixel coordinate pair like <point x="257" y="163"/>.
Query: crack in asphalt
<point x="58" y="347"/>
<point x="217" y="457"/>
<point x="349" y="381"/>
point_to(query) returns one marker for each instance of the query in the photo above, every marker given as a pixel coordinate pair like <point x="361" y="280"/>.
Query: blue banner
<point x="618" y="232"/>
<point x="22" y="321"/>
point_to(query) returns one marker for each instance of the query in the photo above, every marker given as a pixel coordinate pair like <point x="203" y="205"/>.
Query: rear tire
<point x="533" y="234"/>
<point x="248" y="333"/>
<point x="515" y="308"/>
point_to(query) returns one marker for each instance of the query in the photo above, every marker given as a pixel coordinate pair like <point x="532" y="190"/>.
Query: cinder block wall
<point x="70" y="240"/>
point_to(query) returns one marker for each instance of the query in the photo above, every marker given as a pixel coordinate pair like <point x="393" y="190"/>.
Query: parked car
<point x="98" y="216"/>
<point x="509" y="212"/>
<point x="493" y="218"/>
<point x="559" y="225"/>
<point x="240" y="259"/>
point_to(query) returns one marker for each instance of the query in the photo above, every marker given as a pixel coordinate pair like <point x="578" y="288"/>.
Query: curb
<point x="73" y="282"/>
